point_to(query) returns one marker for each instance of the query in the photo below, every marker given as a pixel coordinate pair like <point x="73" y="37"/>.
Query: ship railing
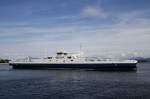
<point x="26" y="59"/>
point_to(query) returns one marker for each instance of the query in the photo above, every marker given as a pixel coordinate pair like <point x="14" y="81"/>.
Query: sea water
<point x="74" y="84"/>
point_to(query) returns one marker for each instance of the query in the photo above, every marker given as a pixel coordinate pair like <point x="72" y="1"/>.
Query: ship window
<point x="59" y="53"/>
<point x="49" y="57"/>
<point x="65" y="53"/>
<point x="69" y="57"/>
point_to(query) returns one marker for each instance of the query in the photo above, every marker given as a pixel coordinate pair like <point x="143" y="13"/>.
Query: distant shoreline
<point x="4" y="63"/>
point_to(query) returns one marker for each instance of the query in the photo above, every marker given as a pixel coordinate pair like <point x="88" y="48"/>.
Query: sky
<point x="103" y="27"/>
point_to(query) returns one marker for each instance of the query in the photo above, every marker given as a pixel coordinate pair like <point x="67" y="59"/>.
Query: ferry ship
<point x="63" y="59"/>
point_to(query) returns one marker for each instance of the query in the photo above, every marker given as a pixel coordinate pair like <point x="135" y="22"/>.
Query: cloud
<point x="91" y="11"/>
<point x="129" y="34"/>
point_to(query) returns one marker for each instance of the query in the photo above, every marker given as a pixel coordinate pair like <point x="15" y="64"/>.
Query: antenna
<point x="80" y="47"/>
<point x="46" y="52"/>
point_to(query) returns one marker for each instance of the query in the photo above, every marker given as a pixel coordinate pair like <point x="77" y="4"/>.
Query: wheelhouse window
<point x="59" y="53"/>
<point x="69" y="57"/>
<point x="65" y="53"/>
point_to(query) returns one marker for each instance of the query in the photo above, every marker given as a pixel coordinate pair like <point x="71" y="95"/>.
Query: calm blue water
<point x="74" y="84"/>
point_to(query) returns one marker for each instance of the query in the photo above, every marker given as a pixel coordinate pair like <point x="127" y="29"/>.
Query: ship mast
<point x="80" y="48"/>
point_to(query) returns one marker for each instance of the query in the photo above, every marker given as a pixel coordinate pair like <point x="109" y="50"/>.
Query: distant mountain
<point x="141" y="59"/>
